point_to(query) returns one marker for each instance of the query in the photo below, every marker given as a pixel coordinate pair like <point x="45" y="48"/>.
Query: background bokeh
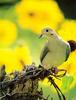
<point x="21" y="22"/>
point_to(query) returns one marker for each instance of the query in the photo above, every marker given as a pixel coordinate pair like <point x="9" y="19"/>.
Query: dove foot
<point x="54" y="70"/>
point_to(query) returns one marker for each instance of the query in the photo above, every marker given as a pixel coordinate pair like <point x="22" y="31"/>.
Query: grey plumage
<point x="68" y="50"/>
<point x="44" y="53"/>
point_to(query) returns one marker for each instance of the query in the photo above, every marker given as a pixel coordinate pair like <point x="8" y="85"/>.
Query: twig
<point x="32" y="73"/>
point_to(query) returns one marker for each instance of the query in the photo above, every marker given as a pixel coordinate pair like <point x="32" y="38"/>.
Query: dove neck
<point x="53" y="38"/>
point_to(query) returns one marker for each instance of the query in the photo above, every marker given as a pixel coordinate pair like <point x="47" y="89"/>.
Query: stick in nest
<point x="24" y="84"/>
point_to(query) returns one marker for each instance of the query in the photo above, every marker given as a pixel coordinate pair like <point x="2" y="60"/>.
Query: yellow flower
<point x="68" y="30"/>
<point x="44" y="82"/>
<point x="9" y="59"/>
<point x="14" y="59"/>
<point x="23" y="53"/>
<point x="70" y="64"/>
<point x="8" y="33"/>
<point x="35" y="15"/>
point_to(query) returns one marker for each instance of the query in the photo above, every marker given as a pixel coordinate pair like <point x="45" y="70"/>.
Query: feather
<point x="68" y="50"/>
<point x="44" y="53"/>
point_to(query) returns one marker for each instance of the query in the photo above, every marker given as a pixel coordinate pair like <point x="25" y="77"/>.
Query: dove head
<point x="49" y="33"/>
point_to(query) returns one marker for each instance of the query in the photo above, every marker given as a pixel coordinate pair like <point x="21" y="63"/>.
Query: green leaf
<point x="66" y="82"/>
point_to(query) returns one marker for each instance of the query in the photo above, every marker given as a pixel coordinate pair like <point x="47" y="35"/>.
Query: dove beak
<point x="41" y="36"/>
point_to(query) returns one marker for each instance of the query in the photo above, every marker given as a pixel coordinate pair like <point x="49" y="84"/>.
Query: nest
<point x="24" y="85"/>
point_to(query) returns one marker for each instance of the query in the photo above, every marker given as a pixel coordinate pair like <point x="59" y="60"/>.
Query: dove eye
<point x="47" y="30"/>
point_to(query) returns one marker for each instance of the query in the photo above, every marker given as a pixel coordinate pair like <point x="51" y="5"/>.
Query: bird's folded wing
<point x="68" y="50"/>
<point x="44" y="53"/>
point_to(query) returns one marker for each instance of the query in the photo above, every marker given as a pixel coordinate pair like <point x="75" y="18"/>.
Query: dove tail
<point x="72" y="44"/>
